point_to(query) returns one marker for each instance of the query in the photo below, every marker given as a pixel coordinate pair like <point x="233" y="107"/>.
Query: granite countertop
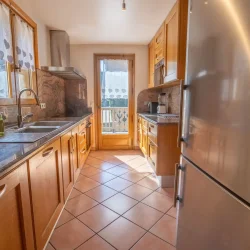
<point x="11" y="153"/>
<point x="159" y="119"/>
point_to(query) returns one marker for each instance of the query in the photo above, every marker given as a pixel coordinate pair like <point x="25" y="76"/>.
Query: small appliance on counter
<point x="153" y="107"/>
<point x="162" y="106"/>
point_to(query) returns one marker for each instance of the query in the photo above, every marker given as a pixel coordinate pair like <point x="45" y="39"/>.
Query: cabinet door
<point x="74" y="152"/>
<point x="151" y="53"/>
<point x="152" y="154"/>
<point x="82" y="147"/>
<point x="171" y="60"/>
<point x="67" y="164"/>
<point x="15" y="212"/>
<point x="144" y="142"/>
<point x="46" y="191"/>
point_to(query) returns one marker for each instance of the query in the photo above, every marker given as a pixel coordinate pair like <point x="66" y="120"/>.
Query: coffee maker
<point x="153" y="107"/>
<point x="162" y="107"/>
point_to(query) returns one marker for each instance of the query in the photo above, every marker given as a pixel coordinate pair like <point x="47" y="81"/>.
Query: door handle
<point x="180" y="138"/>
<point x="2" y="189"/>
<point x="48" y="152"/>
<point x="178" y="168"/>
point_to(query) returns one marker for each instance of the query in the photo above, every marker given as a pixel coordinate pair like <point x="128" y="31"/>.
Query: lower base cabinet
<point x="46" y="189"/>
<point x="16" y="232"/>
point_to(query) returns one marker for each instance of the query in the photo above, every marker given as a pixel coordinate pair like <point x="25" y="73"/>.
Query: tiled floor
<point x="116" y="204"/>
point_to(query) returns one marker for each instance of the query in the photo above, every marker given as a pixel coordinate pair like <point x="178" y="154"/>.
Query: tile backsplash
<point x="171" y="99"/>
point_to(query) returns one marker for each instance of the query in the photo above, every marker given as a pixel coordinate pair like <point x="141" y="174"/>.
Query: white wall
<point x="43" y="33"/>
<point x="82" y="57"/>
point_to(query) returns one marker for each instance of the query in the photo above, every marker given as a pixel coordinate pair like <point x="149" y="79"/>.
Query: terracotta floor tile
<point x="137" y="162"/>
<point x="150" y="182"/>
<point x="145" y="168"/>
<point x="118" y="184"/>
<point x="122" y="234"/>
<point x="49" y="247"/>
<point x="159" y="201"/>
<point x="165" y="228"/>
<point x="143" y="215"/>
<point x="115" y="161"/>
<point x="94" y="162"/>
<point x="98" y="217"/>
<point x="137" y="192"/>
<point x="151" y="242"/>
<point x="117" y="170"/>
<point x="80" y="204"/>
<point x="90" y="171"/>
<point x="167" y="191"/>
<point x="133" y="176"/>
<point x="101" y="193"/>
<point x="105" y="165"/>
<point x="126" y="166"/>
<point x="74" y="193"/>
<point x="173" y="212"/>
<point x="65" y="217"/>
<point x="86" y="165"/>
<point x="95" y="243"/>
<point x="119" y="203"/>
<point x="70" y="235"/>
<point x="103" y="177"/>
<point x="85" y="184"/>
<point x="126" y="157"/>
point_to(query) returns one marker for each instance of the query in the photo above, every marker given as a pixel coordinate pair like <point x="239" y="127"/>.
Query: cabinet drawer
<point x="158" y="54"/>
<point x="159" y="38"/>
<point x="152" y="128"/>
<point x="153" y="138"/>
<point x="82" y="126"/>
<point x="81" y="137"/>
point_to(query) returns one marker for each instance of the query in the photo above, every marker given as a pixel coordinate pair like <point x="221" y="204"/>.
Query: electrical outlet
<point x="43" y="105"/>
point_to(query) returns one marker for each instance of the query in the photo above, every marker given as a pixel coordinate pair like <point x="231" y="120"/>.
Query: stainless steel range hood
<point x="60" y="57"/>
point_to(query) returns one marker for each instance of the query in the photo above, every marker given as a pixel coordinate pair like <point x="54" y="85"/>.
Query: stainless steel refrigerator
<point x="214" y="171"/>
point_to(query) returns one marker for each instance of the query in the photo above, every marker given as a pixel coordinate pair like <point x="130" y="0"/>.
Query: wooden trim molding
<point x="18" y="11"/>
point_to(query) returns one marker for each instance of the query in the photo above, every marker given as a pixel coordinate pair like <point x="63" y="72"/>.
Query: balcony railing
<point x="114" y="120"/>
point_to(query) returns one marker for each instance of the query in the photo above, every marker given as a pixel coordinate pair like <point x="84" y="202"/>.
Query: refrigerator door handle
<point x="178" y="168"/>
<point x="180" y="138"/>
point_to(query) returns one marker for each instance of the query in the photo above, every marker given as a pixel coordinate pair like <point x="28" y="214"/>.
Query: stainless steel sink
<point x="36" y="129"/>
<point x="49" y="123"/>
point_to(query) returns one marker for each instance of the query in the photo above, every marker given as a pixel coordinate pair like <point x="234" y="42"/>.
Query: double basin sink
<point x="33" y="132"/>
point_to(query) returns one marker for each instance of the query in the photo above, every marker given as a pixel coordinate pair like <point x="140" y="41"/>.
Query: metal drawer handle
<point x="89" y="125"/>
<point x="48" y="152"/>
<point x="83" y="151"/>
<point x="2" y="189"/>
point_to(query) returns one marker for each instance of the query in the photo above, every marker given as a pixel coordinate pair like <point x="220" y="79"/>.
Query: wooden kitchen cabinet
<point x="144" y="142"/>
<point x="151" y="55"/>
<point x="74" y="154"/>
<point x="152" y="154"/>
<point x="46" y="189"/>
<point x="16" y="230"/>
<point x="159" y="44"/>
<point x="67" y="164"/>
<point x="82" y="145"/>
<point x="176" y="37"/>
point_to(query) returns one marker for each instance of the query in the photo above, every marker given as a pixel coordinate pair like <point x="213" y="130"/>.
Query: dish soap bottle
<point x="1" y="124"/>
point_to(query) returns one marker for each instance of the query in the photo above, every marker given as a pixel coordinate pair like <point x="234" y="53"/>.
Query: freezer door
<point x="209" y="217"/>
<point x="216" y="127"/>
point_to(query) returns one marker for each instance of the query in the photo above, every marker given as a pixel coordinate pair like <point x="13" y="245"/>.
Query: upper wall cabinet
<point x="176" y="38"/>
<point x="18" y="60"/>
<point x="151" y="55"/>
<point x="170" y="44"/>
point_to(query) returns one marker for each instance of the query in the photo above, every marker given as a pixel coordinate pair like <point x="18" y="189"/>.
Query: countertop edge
<point x="143" y="115"/>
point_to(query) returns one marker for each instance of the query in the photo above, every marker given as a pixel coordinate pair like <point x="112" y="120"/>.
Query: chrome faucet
<point x="20" y="118"/>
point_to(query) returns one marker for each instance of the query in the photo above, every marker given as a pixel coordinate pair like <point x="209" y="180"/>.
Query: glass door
<point x="115" y="101"/>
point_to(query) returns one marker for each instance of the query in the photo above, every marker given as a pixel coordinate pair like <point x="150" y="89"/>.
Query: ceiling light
<point x="123" y="5"/>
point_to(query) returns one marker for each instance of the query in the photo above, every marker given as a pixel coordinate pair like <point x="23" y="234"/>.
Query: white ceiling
<point x="103" y="21"/>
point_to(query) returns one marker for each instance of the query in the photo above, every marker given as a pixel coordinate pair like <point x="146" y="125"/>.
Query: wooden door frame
<point x="97" y="127"/>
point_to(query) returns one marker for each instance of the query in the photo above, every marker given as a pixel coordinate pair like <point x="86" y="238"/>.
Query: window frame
<point x="13" y="84"/>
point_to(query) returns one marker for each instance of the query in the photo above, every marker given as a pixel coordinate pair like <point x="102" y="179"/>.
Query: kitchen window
<point x="18" y="60"/>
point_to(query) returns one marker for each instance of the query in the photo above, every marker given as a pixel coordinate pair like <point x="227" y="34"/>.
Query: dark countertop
<point x="11" y="153"/>
<point x="160" y="120"/>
